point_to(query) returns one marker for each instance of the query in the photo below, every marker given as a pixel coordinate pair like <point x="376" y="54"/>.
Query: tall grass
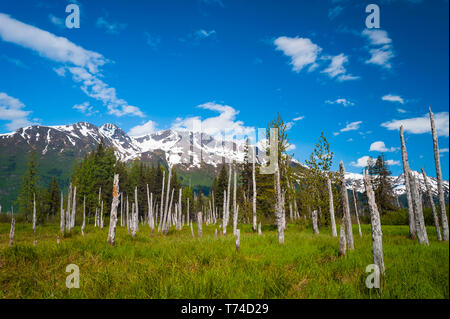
<point x="179" y="266"/>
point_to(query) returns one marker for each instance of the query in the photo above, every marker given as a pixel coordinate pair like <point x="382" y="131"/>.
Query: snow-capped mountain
<point x="181" y="148"/>
<point x="398" y="182"/>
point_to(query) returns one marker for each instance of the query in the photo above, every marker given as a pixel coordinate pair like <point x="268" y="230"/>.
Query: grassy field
<point x="179" y="266"/>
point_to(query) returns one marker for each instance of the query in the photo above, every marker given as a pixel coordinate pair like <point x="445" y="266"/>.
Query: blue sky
<point x="151" y="65"/>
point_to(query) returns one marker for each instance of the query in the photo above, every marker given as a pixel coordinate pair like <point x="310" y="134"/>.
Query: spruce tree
<point x="30" y="187"/>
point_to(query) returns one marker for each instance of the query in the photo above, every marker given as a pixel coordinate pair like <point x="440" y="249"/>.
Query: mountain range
<point x="195" y="155"/>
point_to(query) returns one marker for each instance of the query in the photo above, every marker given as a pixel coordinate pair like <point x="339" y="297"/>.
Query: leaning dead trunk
<point x="356" y="212"/>
<point x="278" y="206"/>
<point x="433" y="207"/>
<point x="199" y="223"/>
<point x="417" y="202"/>
<point x="314" y="222"/>
<point x="377" y="241"/>
<point x="411" y="214"/>
<point x="437" y="161"/>
<point x="346" y="208"/>
<point x="11" y="231"/>
<point x="330" y="200"/>
<point x="113" y="214"/>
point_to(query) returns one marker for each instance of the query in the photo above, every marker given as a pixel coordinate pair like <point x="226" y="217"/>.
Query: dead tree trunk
<point x="346" y="208"/>
<point x="136" y="210"/>
<point x="417" y="202"/>
<point x="314" y="222"/>
<point x="101" y="216"/>
<point x="68" y="208"/>
<point x="84" y="216"/>
<point x="330" y="200"/>
<point x="128" y="216"/>
<point x="342" y="239"/>
<point x="74" y="208"/>
<point x="278" y="205"/>
<point x="11" y="231"/>
<point x="224" y="217"/>
<point x="34" y="213"/>
<point x="433" y="207"/>
<point x="121" y="209"/>
<point x="167" y="194"/>
<point x="411" y="214"/>
<point x="238" y="239"/>
<point x="180" y="212"/>
<point x="192" y="230"/>
<point x="437" y="161"/>
<point x="161" y="213"/>
<point x="254" y="191"/>
<point x="377" y="240"/>
<point x="61" y="224"/>
<point x="356" y="212"/>
<point x="113" y="214"/>
<point x="187" y="210"/>
<point x="199" y="223"/>
<point x="234" y="204"/>
<point x="133" y="221"/>
<point x="228" y="195"/>
<point x="259" y="228"/>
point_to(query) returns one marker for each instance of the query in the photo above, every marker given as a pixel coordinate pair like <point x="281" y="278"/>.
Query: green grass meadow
<point x="179" y="266"/>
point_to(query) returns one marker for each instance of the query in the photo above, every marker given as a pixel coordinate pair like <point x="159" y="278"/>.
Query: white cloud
<point x="144" y="129"/>
<point x="379" y="146"/>
<point x="443" y="150"/>
<point x="399" y="110"/>
<point x="112" y="28"/>
<point x="334" y="12"/>
<point x="290" y="147"/>
<point x="298" y="118"/>
<point x="304" y="52"/>
<point x="85" y="108"/>
<point x="224" y="124"/>
<point x="380" y="47"/>
<point x="301" y="51"/>
<point x="393" y="98"/>
<point x="59" y="49"/>
<point x="392" y="162"/>
<point x="361" y="162"/>
<point x="420" y="125"/>
<point x="203" y="34"/>
<point x="11" y="109"/>
<point x="353" y="126"/>
<point x="342" y="101"/>
<point x="56" y="21"/>
<point x="152" y="40"/>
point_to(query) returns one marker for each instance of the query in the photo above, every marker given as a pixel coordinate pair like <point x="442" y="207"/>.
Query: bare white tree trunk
<point x="433" y="207"/>
<point x="136" y="210"/>
<point x="74" y="208"/>
<point x="128" y="216"/>
<point x="224" y="217"/>
<point x="187" y="210"/>
<point x="113" y="214"/>
<point x="180" y="211"/>
<point x="346" y="208"/>
<point x="34" y="213"/>
<point x="259" y="228"/>
<point x="238" y="239"/>
<point x="133" y="221"/>
<point x="161" y="213"/>
<point x="68" y="208"/>
<point x="314" y="221"/>
<point x="278" y="206"/>
<point x="101" y="216"/>
<point x="254" y="191"/>
<point x="121" y="209"/>
<point x="342" y="239"/>
<point x="412" y="222"/>
<point x="192" y="230"/>
<point x="377" y="240"/>
<point x="62" y="222"/>
<point x="291" y="217"/>
<point x="417" y="202"/>
<point x="11" y="231"/>
<point x="228" y="195"/>
<point x="437" y="161"/>
<point x="330" y="201"/>
<point x="199" y="223"/>
<point x="234" y="204"/>
<point x="356" y="211"/>
<point x="84" y="216"/>
<point x="168" y="192"/>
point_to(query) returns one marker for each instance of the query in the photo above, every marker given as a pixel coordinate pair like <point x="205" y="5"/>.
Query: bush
<point x="400" y="217"/>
